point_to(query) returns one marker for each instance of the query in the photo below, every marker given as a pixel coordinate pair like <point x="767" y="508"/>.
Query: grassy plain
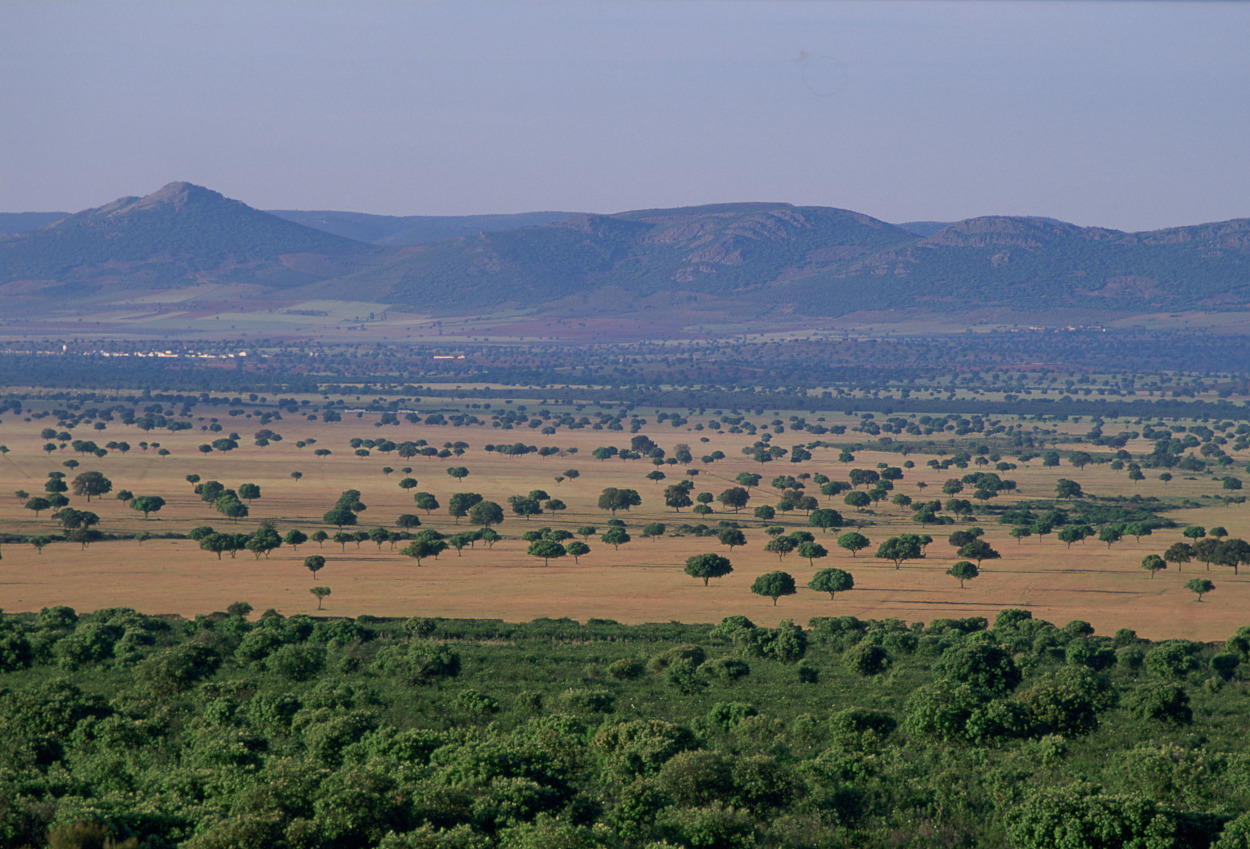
<point x="643" y="581"/>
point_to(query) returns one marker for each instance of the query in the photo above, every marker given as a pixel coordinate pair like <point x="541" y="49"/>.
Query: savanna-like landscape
<point x="735" y="526"/>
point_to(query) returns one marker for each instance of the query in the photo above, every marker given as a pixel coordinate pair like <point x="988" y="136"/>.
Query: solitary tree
<point x="1111" y="534"/>
<point x="615" y="537"/>
<point x="216" y="543"/>
<point x="677" y="497"/>
<point x="419" y="549"/>
<point x="295" y="538"/>
<point x="523" y="505"/>
<point x="340" y="517"/>
<point x="1232" y="552"/>
<point x="1206" y="549"/>
<point x="774" y="585"/>
<point x="263" y="541"/>
<point x="379" y="536"/>
<point x="614" y="499"/>
<point x="461" y="503"/>
<point x="707" y="566"/>
<point x="577" y="548"/>
<point x="92" y="483"/>
<point x="486" y="513"/>
<point x="853" y="541"/>
<point x="547" y="549"/>
<point x="38" y="504"/>
<point x="320" y="593"/>
<point x="731" y="537"/>
<point x="748" y="480"/>
<point x="426" y="501"/>
<point x="734" y="498"/>
<point x="978" y="550"/>
<point x="1201" y="586"/>
<point x="812" y="551"/>
<point x="780" y="546"/>
<point x="1065" y="488"/>
<point x="831" y="581"/>
<point x="313" y="563"/>
<point x="1179" y="553"/>
<point x="147" y="504"/>
<point x="1071" y="534"/>
<point x="1153" y="563"/>
<point x="826" y="519"/>
<point x="229" y="505"/>
<point x="900" y="548"/>
<point x="858" y="500"/>
<point x="249" y="491"/>
<point x="654" y="530"/>
<point x="964" y="571"/>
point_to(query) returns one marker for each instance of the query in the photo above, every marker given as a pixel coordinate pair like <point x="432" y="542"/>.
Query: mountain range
<point x="742" y="261"/>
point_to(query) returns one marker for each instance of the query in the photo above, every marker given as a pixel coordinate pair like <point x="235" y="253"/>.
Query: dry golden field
<point x="642" y="582"/>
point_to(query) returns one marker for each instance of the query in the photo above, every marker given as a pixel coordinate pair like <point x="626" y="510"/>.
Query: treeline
<point x="1084" y="366"/>
<point x="250" y="733"/>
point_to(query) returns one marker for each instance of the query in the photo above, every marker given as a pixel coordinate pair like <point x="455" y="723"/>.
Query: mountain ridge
<point x="736" y="261"/>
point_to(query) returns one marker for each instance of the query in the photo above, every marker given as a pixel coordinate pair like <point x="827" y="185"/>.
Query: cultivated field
<point x="643" y="581"/>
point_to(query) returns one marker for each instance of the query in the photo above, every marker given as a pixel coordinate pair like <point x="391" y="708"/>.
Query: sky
<point x="1119" y="114"/>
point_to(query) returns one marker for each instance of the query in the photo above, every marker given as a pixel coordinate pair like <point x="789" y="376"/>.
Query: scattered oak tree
<point x="774" y="585"/>
<point x="708" y="566"/>
<point x="831" y="581"/>
<point x="1200" y="586"/>
<point x="963" y="570"/>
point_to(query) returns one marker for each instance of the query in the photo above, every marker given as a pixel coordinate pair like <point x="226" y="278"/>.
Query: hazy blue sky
<point x="1121" y="114"/>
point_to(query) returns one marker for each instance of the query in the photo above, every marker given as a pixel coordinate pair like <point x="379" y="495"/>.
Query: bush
<point x="725" y="669"/>
<point x="859" y="727"/>
<point x="598" y="701"/>
<point x="297" y="662"/>
<point x="1167" y="704"/>
<point x="419" y="663"/>
<point x="727" y="715"/>
<point x="1225" y="665"/>
<point x="626" y="669"/>
<point x="691" y="653"/>
<point x="1173" y="660"/>
<point x="176" y="669"/>
<point x="866" y="659"/>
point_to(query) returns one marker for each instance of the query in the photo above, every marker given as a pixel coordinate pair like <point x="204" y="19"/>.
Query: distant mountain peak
<point x="180" y="192"/>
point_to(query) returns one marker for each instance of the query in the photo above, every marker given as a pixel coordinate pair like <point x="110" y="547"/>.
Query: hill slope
<point x="723" y="252"/>
<point x="178" y="235"/>
<point x="1028" y="264"/>
<point x="734" y="261"/>
<point x="409" y="230"/>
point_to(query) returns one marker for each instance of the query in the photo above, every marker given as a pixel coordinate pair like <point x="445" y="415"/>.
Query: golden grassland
<point x="643" y="581"/>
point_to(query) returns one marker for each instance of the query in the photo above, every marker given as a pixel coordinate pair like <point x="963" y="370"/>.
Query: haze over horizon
<point x="1122" y="115"/>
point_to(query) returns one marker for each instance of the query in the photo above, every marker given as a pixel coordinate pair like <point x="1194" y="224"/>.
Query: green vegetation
<point x="371" y="733"/>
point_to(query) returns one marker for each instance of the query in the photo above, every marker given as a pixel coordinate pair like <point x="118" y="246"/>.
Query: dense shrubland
<point x="237" y="731"/>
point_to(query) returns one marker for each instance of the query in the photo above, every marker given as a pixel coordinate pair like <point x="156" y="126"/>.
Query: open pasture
<point x="642" y="581"/>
